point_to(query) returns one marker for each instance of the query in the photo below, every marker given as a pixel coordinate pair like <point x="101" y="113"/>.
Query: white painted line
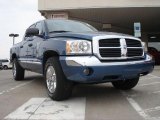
<point x="149" y="76"/>
<point x="26" y="110"/>
<point x="152" y="109"/>
<point x="18" y="86"/>
<point x="129" y="95"/>
<point x="154" y="76"/>
<point x="153" y="83"/>
<point x="139" y="110"/>
<point x="47" y="109"/>
<point x="133" y="95"/>
<point x="142" y="112"/>
<point x="156" y="92"/>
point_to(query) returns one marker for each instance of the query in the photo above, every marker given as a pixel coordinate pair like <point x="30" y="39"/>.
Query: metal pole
<point x="13" y="35"/>
<point x="13" y="40"/>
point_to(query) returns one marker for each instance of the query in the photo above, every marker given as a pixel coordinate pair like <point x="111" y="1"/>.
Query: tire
<point x="5" y="67"/>
<point x="58" y="87"/>
<point x="126" y="84"/>
<point x="17" y="70"/>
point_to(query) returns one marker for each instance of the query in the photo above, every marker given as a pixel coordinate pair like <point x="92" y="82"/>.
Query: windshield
<point x="4" y="61"/>
<point x="68" y="26"/>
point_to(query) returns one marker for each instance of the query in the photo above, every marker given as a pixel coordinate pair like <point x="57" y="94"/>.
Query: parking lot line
<point x="26" y="110"/>
<point x="152" y="109"/>
<point x="139" y="110"/>
<point x="154" y="76"/>
<point x="45" y="108"/>
<point x="150" y="76"/>
<point x="152" y="83"/>
<point x="156" y="92"/>
<point x="13" y="88"/>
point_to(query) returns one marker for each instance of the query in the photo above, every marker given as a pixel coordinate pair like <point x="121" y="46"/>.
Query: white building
<point x="108" y="15"/>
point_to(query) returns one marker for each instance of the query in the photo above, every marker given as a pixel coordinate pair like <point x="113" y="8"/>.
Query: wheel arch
<point x="13" y="57"/>
<point x="48" y="54"/>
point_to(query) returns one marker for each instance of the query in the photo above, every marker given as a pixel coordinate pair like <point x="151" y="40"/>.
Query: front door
<point x="34" y="63"/>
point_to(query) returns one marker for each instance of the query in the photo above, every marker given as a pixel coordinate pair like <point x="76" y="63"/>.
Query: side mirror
<point x="32" y="32"/>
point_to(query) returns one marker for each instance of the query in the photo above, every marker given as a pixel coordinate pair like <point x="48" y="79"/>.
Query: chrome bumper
<point x="94" y="61"/>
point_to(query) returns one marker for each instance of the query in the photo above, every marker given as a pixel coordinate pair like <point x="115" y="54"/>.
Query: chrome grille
<point x="109" y="43"/>
<point x="133" y="43"/>
<point x="134" y="52"/>
<point x="110" y="52"/>
<point x="120" y="48"/>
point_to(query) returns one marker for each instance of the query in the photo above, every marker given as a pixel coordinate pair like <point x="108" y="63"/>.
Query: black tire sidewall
<point x="49" y="63"/>
<point x="126" y="84"/>
<point x="13" y="65"/>
<point x="19" y="71"/>
<point x="63" y="86"/>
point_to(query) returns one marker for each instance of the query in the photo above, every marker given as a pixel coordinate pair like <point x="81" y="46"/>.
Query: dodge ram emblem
<point x="124" y="51"/>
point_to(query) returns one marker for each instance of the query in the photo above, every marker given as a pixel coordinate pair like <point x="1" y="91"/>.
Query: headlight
<point x="149" y="57"/>
<point x="144" y="46"/>
<point x="78" y="47"/>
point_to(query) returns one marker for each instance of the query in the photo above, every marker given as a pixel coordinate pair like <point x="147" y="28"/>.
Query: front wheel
<point x="58" y="87"/>
<point x="17" y="70"/>
<point x="126" y="84"/>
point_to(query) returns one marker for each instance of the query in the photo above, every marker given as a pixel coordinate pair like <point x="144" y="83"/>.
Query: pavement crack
<point x="32" y="113"/>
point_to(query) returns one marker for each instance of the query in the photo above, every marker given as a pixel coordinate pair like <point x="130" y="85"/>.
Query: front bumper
<point x="73" y="68"/>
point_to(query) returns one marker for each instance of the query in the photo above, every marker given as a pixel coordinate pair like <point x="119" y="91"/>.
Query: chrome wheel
<point x="14" y="69"/>
<point x="51" y="79"/>
<point x="58" y="87"/>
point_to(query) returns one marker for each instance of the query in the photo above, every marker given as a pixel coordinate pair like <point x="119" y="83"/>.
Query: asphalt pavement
<point x="27" y="99"/>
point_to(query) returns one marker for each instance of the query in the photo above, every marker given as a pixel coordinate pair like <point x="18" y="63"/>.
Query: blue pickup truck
<point x="68" y="52"/>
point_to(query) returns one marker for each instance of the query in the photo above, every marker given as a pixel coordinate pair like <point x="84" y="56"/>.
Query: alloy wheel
<point x="51" y="79"/>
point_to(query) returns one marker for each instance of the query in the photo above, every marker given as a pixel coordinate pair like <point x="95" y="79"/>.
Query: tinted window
<point x="39" y="26"/>
<point x="68" y="25"/>
<point x="4" y="61"/>
<point x="25" y="38"/>
<point x="32" y="26"/>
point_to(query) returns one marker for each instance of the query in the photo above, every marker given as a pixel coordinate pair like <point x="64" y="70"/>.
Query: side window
<point x="32" y="26"/>
<point x="4" y="61"/>
<point x="39" y="26"/>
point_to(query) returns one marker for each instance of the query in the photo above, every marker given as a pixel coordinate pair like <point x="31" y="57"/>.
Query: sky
<point x="15" y="17"/>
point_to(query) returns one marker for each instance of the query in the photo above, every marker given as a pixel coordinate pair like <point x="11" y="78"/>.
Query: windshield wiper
<point x="58" y="31"/>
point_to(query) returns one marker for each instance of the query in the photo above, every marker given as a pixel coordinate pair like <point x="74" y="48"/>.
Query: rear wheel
<point x="5" y="67"/>
<point x="126" y="84"/>
<point x="17" y="70"/>
<point x="58" y="87"/>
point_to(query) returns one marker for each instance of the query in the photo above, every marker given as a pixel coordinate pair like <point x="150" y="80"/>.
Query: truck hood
<point x="90" y="35"/>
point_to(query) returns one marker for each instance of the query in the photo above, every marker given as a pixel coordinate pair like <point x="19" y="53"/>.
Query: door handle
<point x="30" y="39"/>
<point x="29" y="55"/>
<point x="30" y="45"/>
<point x="21" y="46"/>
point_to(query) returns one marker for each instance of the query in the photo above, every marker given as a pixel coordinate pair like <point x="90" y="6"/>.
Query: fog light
<point x="87" y="71"/>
